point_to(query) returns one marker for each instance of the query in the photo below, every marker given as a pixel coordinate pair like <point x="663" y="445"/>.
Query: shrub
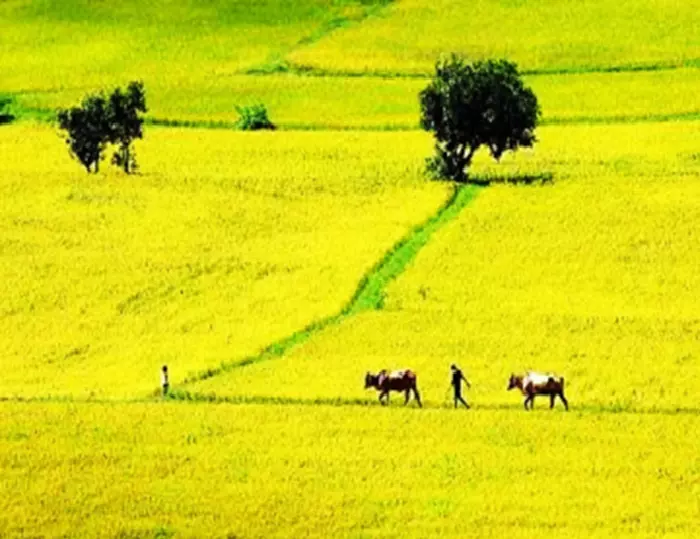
<point x="253" y="117"/>
<point x="5" y="115"/>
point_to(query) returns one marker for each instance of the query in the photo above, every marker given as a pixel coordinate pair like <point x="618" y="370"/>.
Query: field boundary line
<point x="188" y="397"/>
<point x="282" y="67"/>
<point x="369" y="294"/>
<point x="691" y="115"/>
<point x="212" y="398"/>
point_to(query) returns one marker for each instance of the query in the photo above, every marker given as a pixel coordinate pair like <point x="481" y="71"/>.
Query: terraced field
<point x="271" y="270"/>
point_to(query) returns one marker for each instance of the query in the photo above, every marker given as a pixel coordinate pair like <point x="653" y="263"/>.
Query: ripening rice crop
<point x="590" y="276"/>
<point x="150" y="470"/>
<point x="222" y="244"/>
<point x="541" y="35"/>
<point x="47" y="45"/>
<point x="199" y="62"/>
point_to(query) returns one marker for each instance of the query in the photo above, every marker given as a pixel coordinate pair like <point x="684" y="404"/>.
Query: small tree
<point x="100" y="120"/>
<point x="87" y="130"/>
<point x="253" y="118"/>
<point x="125" y="123"/>
<point x="467" y="105"/>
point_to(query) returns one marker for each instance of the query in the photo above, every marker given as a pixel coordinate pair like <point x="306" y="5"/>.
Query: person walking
<point x="165" y="384"/>
<point x="457" y="377"/>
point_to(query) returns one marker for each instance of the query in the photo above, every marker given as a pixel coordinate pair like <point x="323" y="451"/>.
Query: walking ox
<point x="385" y="382"/>
<point x="535" y="383"/>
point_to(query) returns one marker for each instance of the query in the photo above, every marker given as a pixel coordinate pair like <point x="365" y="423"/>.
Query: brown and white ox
<point x="385" y="382"/>
<point x="535" y="383"/>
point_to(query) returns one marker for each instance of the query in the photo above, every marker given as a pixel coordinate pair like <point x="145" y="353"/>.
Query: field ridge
<point x="313" y="71"/>
<point x="184" y="396"/>
<point x="212" y="397"/>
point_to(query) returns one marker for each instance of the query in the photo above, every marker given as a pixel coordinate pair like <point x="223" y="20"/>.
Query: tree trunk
<point x="468" y="159"/>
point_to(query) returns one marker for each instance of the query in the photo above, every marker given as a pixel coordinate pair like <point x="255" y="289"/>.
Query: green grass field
<point x="271" y="270"/>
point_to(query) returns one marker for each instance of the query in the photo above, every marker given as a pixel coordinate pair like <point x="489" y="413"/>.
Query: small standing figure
<point x="457" y="378"/>
<point x="164" y="380"/>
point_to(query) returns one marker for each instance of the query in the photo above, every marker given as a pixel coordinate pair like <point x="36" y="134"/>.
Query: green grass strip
<point x="370" y="292"/>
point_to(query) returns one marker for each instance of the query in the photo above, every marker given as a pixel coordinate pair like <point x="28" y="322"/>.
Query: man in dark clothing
<point x="457" y="378"/>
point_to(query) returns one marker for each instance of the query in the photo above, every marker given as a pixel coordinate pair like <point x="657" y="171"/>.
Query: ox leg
<point x="382" y="395"/>
<point x="417" y="395"/>
<point x="407" y="393"/>
<point x="551" y="401"/>
<point x="530" y="400"/>
<point x="563" y="399"/>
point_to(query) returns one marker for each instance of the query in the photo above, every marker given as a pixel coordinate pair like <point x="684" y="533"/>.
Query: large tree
<point x="468" y="105"/>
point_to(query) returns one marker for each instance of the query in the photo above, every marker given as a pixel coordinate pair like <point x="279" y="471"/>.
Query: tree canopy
<point x="100" y="120"/>
<point x="468" y="105"/>
<point x="87" y="128"/>
<point x="125" y="123"/>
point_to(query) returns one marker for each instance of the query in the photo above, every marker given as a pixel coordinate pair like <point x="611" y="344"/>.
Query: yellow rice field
<point x="271" y="270"/>
<point x="540" y="35"/>
<point x="225" y="242"/>
<point x="151" y="470"/>
<point x="590" y="276"/>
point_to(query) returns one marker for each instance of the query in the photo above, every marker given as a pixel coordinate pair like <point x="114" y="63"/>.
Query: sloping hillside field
<point x="224" y="243"/>
<point x="270" y="271"/>
<point x="591" y="275"/>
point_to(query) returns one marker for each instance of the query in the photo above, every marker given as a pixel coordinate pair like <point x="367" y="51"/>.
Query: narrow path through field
<point x="593" y="408"/>
<point x="193" y="398"/>
<point x="370" y="291"/>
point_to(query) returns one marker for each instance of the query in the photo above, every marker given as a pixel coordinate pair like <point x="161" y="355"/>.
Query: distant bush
<point x="253" y="118"/>
<point x="5" y="115"/>
<point x="99" y="120"/>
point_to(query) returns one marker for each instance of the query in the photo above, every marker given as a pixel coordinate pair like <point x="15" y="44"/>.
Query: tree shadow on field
<point x="543" y="178"/>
